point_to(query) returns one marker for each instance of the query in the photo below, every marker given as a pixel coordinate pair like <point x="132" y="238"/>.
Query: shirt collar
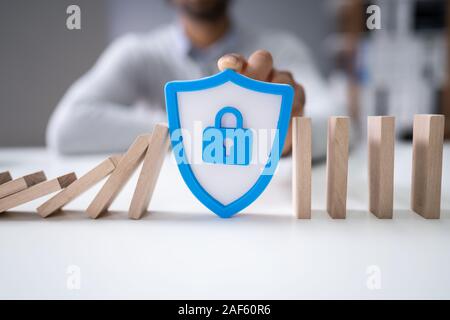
<point x="226" y="44"/>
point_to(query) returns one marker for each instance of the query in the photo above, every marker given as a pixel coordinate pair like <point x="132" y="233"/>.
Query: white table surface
<point x="180" y="250"/>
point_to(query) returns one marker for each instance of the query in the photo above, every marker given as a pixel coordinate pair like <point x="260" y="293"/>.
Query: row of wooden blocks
<point x="150" y="149"/>
<point x="428" y="139"/>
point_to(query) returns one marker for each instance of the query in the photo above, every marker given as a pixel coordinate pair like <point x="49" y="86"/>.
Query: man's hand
<point x="259" y="66"/>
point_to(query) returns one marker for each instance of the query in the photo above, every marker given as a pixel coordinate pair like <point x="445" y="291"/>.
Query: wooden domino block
<point x="337" y="166"/>
<point x="381" y="141"/>
<point x="428" y="136"/>
<point x="36" y="191"/>
<point x="78" y="187"/>
<point x="21" y="183"/>
<point x="5" y="177"/>
<point x="153" y="160"/>
<point x="301" y="169"/>
<point x="120" y="176"/>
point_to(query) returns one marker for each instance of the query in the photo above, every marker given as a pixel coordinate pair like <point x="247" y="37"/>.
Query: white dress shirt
<point x="122" y="96"/>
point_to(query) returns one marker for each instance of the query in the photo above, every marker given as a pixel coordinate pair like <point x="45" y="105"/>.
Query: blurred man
<point x="122" y="96"/>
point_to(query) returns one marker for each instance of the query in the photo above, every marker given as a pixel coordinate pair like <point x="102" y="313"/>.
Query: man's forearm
<point x="100" y="128"/>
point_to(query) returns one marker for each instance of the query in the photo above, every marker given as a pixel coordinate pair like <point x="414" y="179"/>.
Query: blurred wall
<point x="308" y="19"/>
<point x="40" y="58"/>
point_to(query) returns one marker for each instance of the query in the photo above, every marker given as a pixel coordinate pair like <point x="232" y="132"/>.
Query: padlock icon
<point x="230" y="146"/>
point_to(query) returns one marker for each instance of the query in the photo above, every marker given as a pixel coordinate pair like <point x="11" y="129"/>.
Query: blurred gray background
<point x="40" y="58"/>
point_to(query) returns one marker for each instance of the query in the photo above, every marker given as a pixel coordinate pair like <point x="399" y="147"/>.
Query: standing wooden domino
<point x="153" y="160"/>
<point x="21" y="183"/>
<point x="337" y="166"/>
<point x="428" y="136"/>
<point x="120" y="176"/>
<point x="36" y="191"/>
<point x="301" y="170"/>
<point x="78" y="187"/>
<point x="5" y="177"/>
<point x="381" y="140"/>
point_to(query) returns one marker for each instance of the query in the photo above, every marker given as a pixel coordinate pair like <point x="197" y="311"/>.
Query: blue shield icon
<point x="227" y="133"/>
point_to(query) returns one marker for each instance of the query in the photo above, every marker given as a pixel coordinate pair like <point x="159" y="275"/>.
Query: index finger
<point x="232" y="61"/>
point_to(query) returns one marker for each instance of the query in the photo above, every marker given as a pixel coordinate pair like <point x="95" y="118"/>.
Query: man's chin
<point x="212" y="14"/>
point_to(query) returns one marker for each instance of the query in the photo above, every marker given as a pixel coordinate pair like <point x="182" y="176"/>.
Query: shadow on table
<point x="317" y="215"/>
<point x="170" y="216"/>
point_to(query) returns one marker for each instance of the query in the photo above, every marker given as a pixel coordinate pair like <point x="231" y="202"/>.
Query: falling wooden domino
<point x="78" y="187"/>
<point x="153" y="160"/>
<point x="428" y="136"/>
<point x="381" y="140"/>
<point x="37" y="191"/>
<point x="119" y="177"/>
<point x="21" y="183"/>
<point x="5" y="177"/>
<point x="337" y="166"/>
<point x="301" y="170"/>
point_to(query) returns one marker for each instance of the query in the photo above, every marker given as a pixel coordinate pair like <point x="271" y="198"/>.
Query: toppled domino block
<point x="36" y="191"/>
<point x="5" y="177"/>
<point x="78" y="187"/>
<point x="153" y="160"/>
<point x="120" y="176"/>
<point x="21" y="183"/>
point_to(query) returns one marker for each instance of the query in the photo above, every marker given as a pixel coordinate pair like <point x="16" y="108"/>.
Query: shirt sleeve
<point x="97" y="114"/>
